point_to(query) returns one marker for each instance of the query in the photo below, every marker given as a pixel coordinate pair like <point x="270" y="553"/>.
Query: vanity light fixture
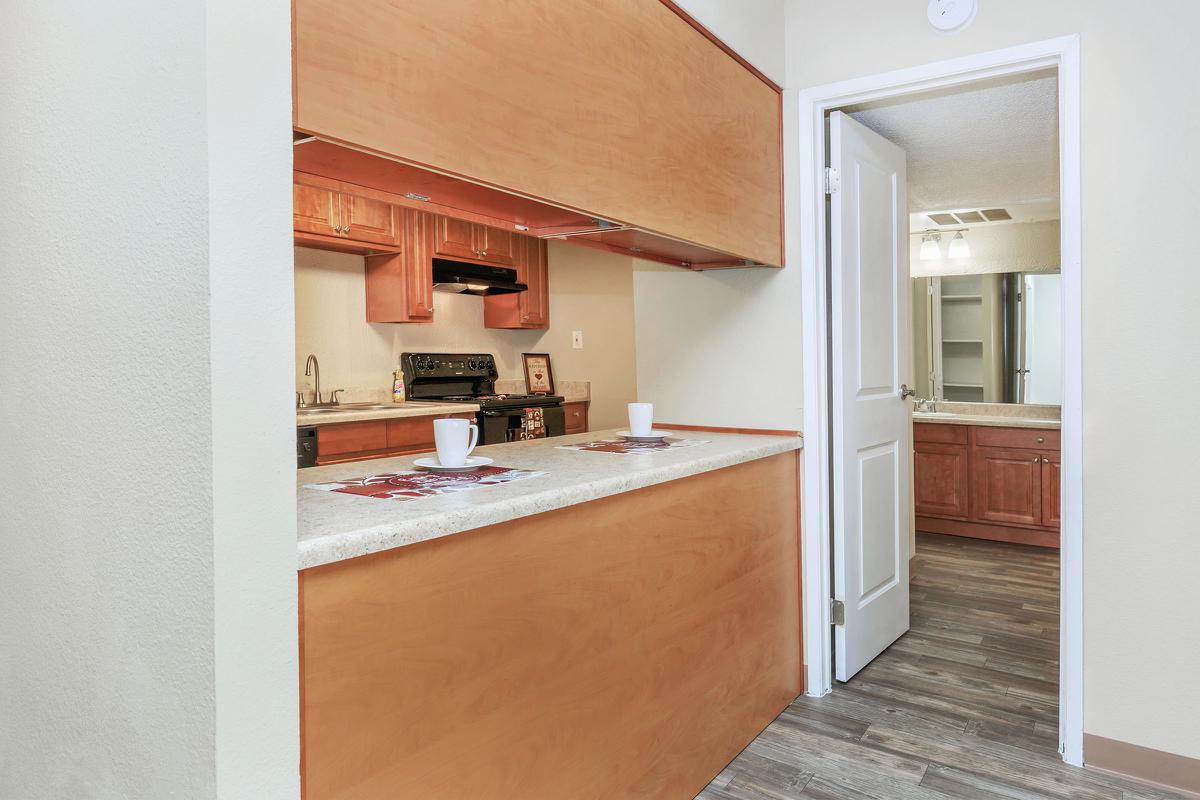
<point x="931" y="249"/>
<point x="959" y="247"/>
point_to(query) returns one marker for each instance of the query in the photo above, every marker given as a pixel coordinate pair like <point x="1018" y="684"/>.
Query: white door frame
<point x="1061" y="53"/>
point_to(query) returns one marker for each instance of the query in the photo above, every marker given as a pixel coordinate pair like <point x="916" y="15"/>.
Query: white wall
<point x="117" y="572"/>
<point x="590" y="291"/>
<point x="724" y="347"/>
<point x="752" y="28"/>
<point x="1140" y="168"/>
<point x="719" y="347"/>
<point x="257" y="666"/>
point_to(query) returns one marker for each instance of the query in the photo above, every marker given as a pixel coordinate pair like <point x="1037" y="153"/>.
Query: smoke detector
<point x="951" y="16"/>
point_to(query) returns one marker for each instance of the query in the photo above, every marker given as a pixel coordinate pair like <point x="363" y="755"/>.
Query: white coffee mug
<point x="455" y="439"/>
<point x="641" y="418"/>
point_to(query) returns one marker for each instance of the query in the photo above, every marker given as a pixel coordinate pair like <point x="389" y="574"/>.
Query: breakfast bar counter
<point x="603" y="624"/>
<point x="334" y="526"/>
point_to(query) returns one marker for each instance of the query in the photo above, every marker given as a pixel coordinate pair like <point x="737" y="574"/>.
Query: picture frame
<point x="539" y="376"/>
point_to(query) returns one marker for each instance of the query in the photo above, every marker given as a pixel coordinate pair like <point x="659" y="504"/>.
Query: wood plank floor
<point x="965" y="705"/>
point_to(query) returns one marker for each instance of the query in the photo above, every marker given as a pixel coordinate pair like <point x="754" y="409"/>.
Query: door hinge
<point x="837" y="612"/>
<point x="833" y="180"/>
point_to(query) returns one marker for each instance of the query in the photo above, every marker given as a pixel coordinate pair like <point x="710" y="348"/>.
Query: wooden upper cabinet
<point x="399" y="285"/>
<point x="535" y="301"/>
<point x="625" y="111"/>
<point x="366" y="219"/>
<point x="496" y="246"/>
<point x="316" y="209"/>
<point x="455" y="238"/>
<point x="530" y="308"/>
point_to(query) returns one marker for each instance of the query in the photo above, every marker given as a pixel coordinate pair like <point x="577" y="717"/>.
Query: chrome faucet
<point x="313" y="369"/>
<point x="927" y="404"/>
<point x="310" y="367"/>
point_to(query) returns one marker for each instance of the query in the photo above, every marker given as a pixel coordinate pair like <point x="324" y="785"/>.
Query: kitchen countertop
<point x="412" y="408"/>
<point x="571" y="391"/>
<point x="334" y="527"/>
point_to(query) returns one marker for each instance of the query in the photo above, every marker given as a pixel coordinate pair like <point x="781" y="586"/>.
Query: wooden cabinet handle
<point x="1041" y="439"/>
<point x="1037" y="460"/>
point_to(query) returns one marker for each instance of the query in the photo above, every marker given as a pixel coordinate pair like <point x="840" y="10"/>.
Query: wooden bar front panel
<point x="627" y="647"/>
<point x="622" y="110"/>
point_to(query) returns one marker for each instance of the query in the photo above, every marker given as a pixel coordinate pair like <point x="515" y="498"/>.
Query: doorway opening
<point x="982" y="319"/>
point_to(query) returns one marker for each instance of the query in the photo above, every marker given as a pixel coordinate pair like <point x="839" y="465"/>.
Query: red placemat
<point x="632" y="448"/>
<point x="415" y="484"/>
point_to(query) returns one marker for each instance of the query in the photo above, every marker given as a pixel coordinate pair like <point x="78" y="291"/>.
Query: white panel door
<point x="871" y="426"/>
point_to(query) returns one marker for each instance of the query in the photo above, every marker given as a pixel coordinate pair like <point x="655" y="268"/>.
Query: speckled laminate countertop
<point x="413" y="408"/>
<point x="334" y="526"/>
<point x="945" y="418"/>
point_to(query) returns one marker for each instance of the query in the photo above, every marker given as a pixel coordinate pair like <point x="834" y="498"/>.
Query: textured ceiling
<point x="991" y="143"/>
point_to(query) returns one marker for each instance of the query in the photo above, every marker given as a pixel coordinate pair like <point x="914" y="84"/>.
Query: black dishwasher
<point x="306" y="447"/>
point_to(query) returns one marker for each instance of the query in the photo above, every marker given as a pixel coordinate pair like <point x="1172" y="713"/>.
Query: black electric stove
<point x="471" y="378"/>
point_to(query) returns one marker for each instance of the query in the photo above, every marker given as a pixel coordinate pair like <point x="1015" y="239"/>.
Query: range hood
<point x="462" y="277"/>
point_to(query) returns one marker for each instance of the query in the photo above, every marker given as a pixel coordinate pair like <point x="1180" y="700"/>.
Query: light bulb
<point x="930" y="249"/>
<point x="959" y="247"/>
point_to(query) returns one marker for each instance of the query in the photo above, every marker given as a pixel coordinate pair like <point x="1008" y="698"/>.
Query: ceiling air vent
<point x="944" y="218"/>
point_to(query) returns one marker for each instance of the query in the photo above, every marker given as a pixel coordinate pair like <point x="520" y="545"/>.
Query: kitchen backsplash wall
<point x="590" y="290"/>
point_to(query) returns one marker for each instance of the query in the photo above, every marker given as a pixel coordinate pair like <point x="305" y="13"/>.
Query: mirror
<point x="992" y="337"/>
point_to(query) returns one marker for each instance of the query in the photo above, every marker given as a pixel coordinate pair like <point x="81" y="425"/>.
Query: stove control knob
<point x="472" y="364"/>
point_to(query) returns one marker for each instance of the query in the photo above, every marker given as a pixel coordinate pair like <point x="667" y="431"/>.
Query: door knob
<point x="907" y="392"/>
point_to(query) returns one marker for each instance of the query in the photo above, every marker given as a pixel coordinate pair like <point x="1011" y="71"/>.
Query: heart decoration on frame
<point x="539" y="378"/>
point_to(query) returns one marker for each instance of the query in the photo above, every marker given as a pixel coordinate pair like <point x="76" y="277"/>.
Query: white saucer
<point x="433" y="465"/>
<point x="652" y="436"/>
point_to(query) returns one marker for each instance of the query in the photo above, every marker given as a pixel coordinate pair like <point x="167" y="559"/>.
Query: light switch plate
<point x="577" y="340"/>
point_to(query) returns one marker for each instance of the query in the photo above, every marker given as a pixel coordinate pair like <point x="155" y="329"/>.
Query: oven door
<point x="497" y="426"/>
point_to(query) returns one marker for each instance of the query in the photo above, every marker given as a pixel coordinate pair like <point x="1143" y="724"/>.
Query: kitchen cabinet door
<point x="1008" y="486"/>
<point x="576" y="417"/>
<point x="400" y="285"/>
<point x="496" y="246"/>
<point x="366" y="219"/>
<point x="530" y="308"/>
<point x="535" y="312"/>
<point x="316" y="209"/>
<point x="455" y="238"/>
<point x="940" y="479"/>
<point x="1051" y="487"/>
